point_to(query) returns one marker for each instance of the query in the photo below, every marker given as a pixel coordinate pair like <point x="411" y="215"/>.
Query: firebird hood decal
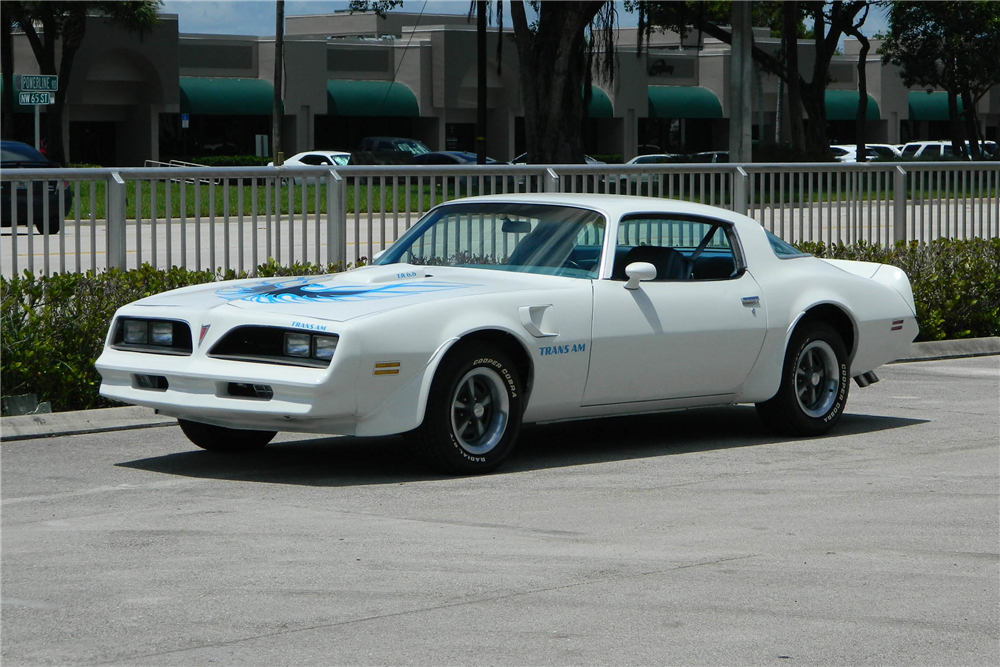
<point x="305" y="290"/>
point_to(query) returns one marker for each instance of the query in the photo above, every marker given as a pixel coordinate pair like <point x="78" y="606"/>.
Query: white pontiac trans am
<point x="495" y="311"/>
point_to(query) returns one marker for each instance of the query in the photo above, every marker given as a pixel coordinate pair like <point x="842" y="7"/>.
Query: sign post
<point x="37" y="89"/>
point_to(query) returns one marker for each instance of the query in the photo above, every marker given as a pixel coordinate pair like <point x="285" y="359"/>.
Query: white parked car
<point x="314" y="159"/>
<point x="849" y="153"/>
<point x="495" y="311"/>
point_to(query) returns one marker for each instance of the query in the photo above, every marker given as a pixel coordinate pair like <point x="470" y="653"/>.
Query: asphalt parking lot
<point x="691" y="538"/>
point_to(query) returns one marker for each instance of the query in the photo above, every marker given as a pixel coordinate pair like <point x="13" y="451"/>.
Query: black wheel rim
<point x="816" y="378"/>
<point x="480" y="411"/>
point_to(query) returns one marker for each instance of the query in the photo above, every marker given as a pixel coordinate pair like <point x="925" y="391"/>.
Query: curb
<point x="28" y="427"/>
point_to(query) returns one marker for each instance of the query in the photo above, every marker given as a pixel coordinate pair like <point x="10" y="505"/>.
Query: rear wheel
<point x="222" y="439"/>
<point x="473" y="411"/>
<point x="814" y="383"/>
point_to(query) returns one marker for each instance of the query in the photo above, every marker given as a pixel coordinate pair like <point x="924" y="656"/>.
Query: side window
<point x="313" y="159"/>
<point x="680" y="248"/>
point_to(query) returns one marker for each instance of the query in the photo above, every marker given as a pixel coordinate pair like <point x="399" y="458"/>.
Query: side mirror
<point x="639" y="272"/>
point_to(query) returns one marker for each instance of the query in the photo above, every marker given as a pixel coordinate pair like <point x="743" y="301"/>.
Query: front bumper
<point x="207" y="390"/>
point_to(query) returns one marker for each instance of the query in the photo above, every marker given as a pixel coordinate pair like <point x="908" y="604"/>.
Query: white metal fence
<point x="237" y="218"/>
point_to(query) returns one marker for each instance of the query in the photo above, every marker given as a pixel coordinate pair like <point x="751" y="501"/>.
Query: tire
<point x="473" y="411"/>
<point x="54" y="224"/>
<point x="815" y="380"/>
<point x="222" y="439"/>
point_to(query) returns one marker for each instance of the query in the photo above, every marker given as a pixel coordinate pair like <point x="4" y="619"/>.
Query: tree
<point x="556" y="54"/>
<point x="65" y="23"/>
<point x="948" y="45"/>
<point x="831" y="20"/>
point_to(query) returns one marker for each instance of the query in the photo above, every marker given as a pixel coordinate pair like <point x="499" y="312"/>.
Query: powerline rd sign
<point x="39" y="83"/>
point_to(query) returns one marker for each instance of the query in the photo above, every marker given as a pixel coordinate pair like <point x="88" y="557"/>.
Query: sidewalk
<point x="28" y="427"/>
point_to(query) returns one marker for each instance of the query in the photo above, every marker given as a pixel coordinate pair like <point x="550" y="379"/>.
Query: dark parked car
<point x="17" y="155"/>
<point x="392" y="144"/>
<point x="448" y="157"/>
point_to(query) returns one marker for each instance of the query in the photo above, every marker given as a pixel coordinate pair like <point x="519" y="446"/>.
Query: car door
<point x="694" y="332"/>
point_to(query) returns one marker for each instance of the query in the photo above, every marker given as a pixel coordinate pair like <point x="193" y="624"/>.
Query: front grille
<point x="264" y="345"/>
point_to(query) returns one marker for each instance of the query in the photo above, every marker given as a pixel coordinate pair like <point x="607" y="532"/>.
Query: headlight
<point x="135" y="332"/>
<point x="324" y="346"/>
<point x="156" y="336"/>
<point x="161" y="333"/>
<point x="297" y="345"/>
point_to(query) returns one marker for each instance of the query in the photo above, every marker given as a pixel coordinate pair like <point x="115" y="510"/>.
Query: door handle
<point x="751" y="301"/>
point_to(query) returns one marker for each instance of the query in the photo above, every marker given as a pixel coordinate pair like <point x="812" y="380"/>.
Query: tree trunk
<point x="7" y="58"/>
<point x="552" y="68"/>
<point x="790" y="38"/>
<point x="74" y="29"/>
<point x="954" y="126"/>
<point x="971" y="126"/>
<point x="276" y="108"/>
<point x="859" y="127"/>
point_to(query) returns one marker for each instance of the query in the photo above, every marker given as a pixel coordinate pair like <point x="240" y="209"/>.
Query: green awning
<point x="930" y="106"/>
<point x="370" y="98"/>
<point x="600" y="104"/>
<point x="843" y="105"/>
<point x="226" y="97"/>
<point x="683" y="102"/>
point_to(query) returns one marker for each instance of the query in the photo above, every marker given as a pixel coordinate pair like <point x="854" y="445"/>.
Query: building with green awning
<point x="349" y="76"/>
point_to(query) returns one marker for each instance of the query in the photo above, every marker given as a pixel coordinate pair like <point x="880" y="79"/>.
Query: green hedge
<point x="52" y="329"/>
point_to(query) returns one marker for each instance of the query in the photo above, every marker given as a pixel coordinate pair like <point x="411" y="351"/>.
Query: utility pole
<point x="279" y="52"/>
<point x="740" y="85"/>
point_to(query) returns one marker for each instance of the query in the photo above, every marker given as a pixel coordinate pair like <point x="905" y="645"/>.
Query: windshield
<point x="414" y="147"/>
<point x="532" y="238"/>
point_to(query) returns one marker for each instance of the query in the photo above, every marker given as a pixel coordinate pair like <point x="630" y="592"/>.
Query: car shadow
<point x="348" y="461"/>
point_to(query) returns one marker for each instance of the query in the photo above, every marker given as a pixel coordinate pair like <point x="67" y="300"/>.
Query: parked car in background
<point x="490" y="312"/>
<point x="849" y="153"/>
<point x="929" y="150"/>
<point x="884" y="151"/>
<point x="523" y="159"/>
<point x="449" y="158"/>
<point x="710" y="157"/>
<point x="657" y="158"/>
<point x="18" y="155"/>
<point x="392" y="144"/>
<point x="314" y="159"/>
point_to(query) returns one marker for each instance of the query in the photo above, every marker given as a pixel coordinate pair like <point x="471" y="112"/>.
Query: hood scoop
<point x="389" y="273"/>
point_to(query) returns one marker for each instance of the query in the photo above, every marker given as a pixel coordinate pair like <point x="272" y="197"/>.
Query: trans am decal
<point x="562" y="349"/>
<point x="303" y="290"/>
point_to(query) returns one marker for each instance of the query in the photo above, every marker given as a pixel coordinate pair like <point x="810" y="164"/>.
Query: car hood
<point x="343" y="296"/>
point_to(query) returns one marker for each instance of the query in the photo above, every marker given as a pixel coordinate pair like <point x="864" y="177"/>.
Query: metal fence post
<point x="115" y="222"/>
<point x="336" y="219"/>
<point x="551" y="182"/>
<point x="740" y="179"/>
<point x="898" y="204"/>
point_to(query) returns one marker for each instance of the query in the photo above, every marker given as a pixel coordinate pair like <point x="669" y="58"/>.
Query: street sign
<point x="185" y="121"/>
<point x="39" y="82"/>
<point x="27" y="99"/>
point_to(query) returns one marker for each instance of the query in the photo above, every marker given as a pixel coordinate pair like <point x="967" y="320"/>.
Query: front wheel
<point x="814" y="383"/>
<point x="473" y="411"/>
<point x="222" y="439"/>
